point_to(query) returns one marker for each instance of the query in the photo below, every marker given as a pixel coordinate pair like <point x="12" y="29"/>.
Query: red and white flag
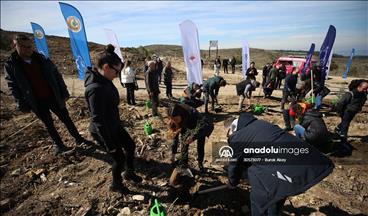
<point x="191" y="51"/>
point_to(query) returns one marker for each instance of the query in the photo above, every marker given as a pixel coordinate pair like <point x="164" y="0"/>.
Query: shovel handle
<point x="212" y="189"/>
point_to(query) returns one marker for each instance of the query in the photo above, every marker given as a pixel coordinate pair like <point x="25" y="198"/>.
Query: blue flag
<point x="326" y="48"/>
<point x="40" y="39"/>
<point x="345" y="74"/>
<point x="309" y="59"/>
<point x="78" y="38"/>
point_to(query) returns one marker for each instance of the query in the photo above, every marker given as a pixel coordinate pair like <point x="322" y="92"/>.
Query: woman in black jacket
<point x="103" y="100"/>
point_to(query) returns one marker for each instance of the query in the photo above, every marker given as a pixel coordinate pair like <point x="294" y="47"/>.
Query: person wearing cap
<point x="152" y="86"/>
<point x="271" y="181"/>
<point x="37" y="86"/>
<point x="211" y="89"/>
<point x="191" y="125"/>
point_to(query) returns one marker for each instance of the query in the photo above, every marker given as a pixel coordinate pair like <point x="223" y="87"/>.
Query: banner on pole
<point x="329" y="64"/>
<point x="348" y="64"/>
<point x="191" y="51"/>
<point x="111" y="37"/>
<point x="78" y="38"/>
<point x="245" y="58"/>
<point x="326" y="48"/>
<point x="309" y="58"/>
<point x="40" y="39"/>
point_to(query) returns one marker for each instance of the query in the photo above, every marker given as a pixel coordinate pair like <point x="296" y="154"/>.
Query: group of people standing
<point x="225" y="64"/>
<point x="37" y="86"/>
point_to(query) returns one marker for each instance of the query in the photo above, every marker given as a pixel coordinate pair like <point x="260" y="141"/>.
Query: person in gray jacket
<point x="37" y="86"/>
<point x="151" y="79"/>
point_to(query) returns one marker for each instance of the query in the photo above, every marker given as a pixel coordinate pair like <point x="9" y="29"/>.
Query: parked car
<point x="294" y="61"/>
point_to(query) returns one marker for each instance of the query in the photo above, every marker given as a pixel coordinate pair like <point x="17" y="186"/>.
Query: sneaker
<point x="119" y="188"/>
<point x="131" y="176"/>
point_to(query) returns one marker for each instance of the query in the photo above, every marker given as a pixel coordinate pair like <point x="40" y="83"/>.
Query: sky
<point x="286" y="25"/>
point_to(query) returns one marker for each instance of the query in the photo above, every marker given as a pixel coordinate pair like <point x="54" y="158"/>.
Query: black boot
<point x="60" y="148"/>
<point x="120" y="188"/>
<point x="131" y="176"/>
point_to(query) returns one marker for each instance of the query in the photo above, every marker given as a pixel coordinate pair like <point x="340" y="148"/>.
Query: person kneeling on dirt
<point x="349" y="105"/>
<point x="103" y="100"/>
<point x="272" y="182"/>
<point x="244" y="89"/>
<point x="211" y="88"/>
<point x="191" y="95"/>
<point x="192" y="126"/>
<point x="311" y="127"/>
<point x="37" y="86"/>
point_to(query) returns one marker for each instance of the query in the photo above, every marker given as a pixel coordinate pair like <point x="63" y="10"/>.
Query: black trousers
<point x="44" y="114"/>
<point x="233" y="68"/>
<point x="345" y="123"/>
<point x="155" y="103"/>
<point x="169" y="90"/>
<point x="185" y="148"/>
<point x="130" y="93"/>
<point x="207" y="100"/>
<point x="225" y="69"/>
<point x="120" y="158"/>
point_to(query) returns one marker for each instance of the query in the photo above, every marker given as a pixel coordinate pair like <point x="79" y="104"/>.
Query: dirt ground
<point x="34" y="182"/>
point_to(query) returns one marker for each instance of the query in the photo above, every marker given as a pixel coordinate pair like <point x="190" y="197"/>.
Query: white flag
<point x="114" y="41"/>
<point x="245" y="58"/>
<point x="191" y="51"/>
<point x="328" y="64"/>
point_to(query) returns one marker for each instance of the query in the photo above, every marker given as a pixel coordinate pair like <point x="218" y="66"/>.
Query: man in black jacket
<point x="151" y="79"/>
<point x="36" y="85"/>
<point x="301" y="165"/>
<point x="289" y="94"/>
<point x="225" y="63"/>
<point x="350" y="104"/>
<point x="312" y="128"/>
<point x="251" y="72"/>
<point x="233" y="63"/>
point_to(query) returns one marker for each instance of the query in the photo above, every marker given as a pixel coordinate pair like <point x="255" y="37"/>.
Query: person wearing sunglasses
<point x="37" y="86"/>
<point x="103" y="99"/>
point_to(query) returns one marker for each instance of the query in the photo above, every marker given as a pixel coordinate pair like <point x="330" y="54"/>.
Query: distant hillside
<point x="61" y="54"/>
<point x="359" y="68"/>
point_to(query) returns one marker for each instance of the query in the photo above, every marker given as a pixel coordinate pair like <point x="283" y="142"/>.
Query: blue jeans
<point x="318" y="101"/>
<point x="299" y="131"/>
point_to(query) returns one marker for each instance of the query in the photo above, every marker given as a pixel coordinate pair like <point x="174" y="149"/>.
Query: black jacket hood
<point x="244" y="120"/>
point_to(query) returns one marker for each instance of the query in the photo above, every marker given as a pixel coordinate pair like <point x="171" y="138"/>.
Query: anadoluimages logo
<point x="226" y="152"/>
